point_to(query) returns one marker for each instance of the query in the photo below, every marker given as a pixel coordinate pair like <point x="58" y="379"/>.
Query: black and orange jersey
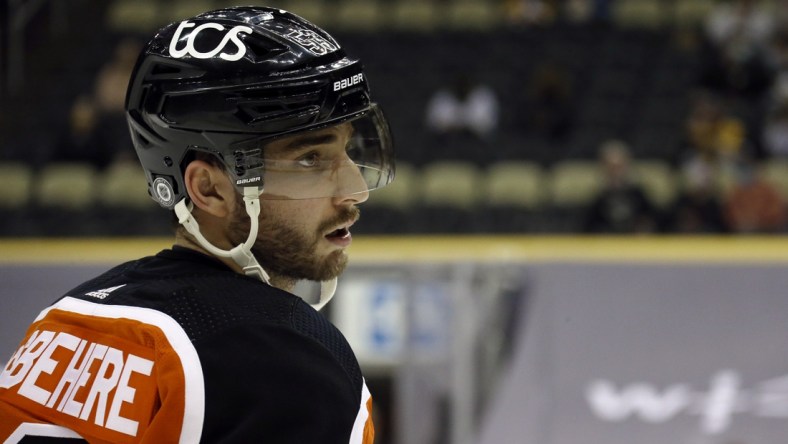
<point x="178" y="348"/>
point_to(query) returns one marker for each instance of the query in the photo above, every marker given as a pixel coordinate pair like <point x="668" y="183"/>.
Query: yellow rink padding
<point x="414" y="249"/>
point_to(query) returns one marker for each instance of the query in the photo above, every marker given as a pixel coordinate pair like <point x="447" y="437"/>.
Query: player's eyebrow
<point x="309" y="140"/>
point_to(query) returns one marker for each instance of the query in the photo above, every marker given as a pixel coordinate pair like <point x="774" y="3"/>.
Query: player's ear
<point x="209" y="188"/>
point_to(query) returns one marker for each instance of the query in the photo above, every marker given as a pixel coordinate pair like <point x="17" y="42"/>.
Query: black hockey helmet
<point x="231" y="81"/>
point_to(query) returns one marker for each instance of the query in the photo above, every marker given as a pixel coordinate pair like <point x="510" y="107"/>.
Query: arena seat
<point x="514" y="183"/>
<point x="454" y="183"/>
<point x="472" y="15"/>
<point x="69" y="185"/>
<point x="64" y="199"/>
<point x="17" y="179"/>
<point x="658" y="180"/>
<point x="135" y="16"/>
<point x="358" y="15"/>
<point x="313" y="10"/>
<point x="124" y="206"/>
<point x="401" y="193"/>
<point x="513" y="196"/>
<point x="691" y="13"/>
<point x="574" y="183"/>
<point x="178" y="10"/>
<point x="450" y="192"/>
<point x="775" y="171"/>
<point x="411" y="15"/>
<point x="123" y="185"/>
<point x="640" y="13"/>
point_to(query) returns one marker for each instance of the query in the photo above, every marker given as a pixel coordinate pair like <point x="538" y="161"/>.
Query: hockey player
<point x="258" y="131"/>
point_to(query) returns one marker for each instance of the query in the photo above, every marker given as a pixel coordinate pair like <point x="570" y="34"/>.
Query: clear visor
<point x="349" y="158"/>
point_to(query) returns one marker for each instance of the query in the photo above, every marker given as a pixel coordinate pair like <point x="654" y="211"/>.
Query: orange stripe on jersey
<point x="363" y="429"/>
<point x="369" y="427"/>
<point x="110" y="373"/>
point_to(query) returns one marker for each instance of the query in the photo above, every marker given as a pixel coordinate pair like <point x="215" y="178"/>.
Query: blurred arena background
<point x="509" y="116"/>
<point x="536" y="126"/>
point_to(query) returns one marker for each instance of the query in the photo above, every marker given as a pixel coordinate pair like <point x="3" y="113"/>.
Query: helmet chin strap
<point x="242" y="253"/>
<point x="327" y="289"/>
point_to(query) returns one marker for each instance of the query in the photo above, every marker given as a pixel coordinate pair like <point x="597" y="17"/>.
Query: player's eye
<point x="309" y="160"/>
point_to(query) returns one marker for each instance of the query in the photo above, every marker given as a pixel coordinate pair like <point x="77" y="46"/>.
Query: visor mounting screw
<point x="167" y="161"/>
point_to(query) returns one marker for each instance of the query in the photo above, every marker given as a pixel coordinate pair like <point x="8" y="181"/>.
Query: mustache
<point x="345" y="215"/>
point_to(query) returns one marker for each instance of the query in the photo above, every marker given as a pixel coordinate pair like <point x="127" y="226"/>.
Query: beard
<point x="287" y="253"/>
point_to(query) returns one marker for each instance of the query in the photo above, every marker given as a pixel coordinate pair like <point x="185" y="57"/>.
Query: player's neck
<point x="185" y="240"/>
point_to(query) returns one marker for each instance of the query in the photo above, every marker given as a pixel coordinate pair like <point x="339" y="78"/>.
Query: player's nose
<point x="351" y="185"/>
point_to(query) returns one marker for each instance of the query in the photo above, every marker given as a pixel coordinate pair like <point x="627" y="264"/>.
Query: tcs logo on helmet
<point x="188" y="49"/>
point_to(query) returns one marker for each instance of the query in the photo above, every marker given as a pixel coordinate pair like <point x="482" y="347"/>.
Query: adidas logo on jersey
<point x="103" y="293"/>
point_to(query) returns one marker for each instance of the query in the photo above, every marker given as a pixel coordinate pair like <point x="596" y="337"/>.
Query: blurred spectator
<point x="588" y="11"/>
<point x="79" y="142"/>
<point x="697" y="208"/>
<point x="530" y="12"/>
<point x="113" y="78"/>
<point x="467" y="107"/>
<point x="775" y="132"/>
<point x="97" y="130"/>
<point x="110" y="97"/>
<point x="622" y="206"/>
<point x="550" y="107"/>
<point x="754" y="205"/>
<point x="712" y="133"/>
<point x="739" y="25"/>
<point x="778" y="58"/>
<point x="738" y="32"/>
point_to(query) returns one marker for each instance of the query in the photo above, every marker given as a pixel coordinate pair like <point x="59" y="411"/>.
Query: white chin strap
<point x="327" y="289"/>
<point x="242" y="253"/>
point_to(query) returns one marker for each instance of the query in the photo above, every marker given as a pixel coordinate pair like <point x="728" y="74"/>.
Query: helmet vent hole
<point x="165" y="70"/>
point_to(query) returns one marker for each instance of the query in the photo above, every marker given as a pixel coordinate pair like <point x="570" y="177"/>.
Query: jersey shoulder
<point x="206" y="298"/>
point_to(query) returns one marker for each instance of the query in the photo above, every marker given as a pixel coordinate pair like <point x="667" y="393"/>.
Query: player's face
<point x="306" y="238"/>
